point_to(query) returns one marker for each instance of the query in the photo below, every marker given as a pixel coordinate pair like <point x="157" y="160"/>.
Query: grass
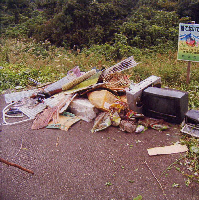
<point x="21" y="59"/>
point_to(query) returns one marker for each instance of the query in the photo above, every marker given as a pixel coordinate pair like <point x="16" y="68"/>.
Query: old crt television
<point x="162" y="103"/>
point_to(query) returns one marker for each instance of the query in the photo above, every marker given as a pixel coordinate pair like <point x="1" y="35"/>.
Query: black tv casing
<point x="192" y="117"/>
<point x="162" y="103"/>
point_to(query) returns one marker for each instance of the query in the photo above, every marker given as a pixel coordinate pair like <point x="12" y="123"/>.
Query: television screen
<point x="170" y="105"/>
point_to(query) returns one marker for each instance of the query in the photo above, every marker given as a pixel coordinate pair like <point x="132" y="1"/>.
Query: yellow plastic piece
<point x="102" y="99"/>
<point x="78" y="80"/>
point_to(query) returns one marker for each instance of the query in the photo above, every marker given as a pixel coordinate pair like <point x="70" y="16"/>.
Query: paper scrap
<point x="176" y="148"/>
<point x="65" y="121"/>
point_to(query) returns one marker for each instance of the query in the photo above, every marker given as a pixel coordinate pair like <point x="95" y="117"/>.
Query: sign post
<point x="188" y="72"/>
<point x="188" y="44"/>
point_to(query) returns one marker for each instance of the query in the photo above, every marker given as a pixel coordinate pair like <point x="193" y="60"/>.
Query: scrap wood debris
<point x="15" y="165"/>
<point x="116" y="81"/>
<point x="43" y="118"/>
<point x="176" y="148"/>
<point x="94" y="95"/>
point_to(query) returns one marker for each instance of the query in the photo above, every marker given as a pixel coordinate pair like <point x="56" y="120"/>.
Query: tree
<point x="17" y="7"/>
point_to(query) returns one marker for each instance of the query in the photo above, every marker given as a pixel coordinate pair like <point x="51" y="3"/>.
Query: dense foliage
<point x="143" y="24"/>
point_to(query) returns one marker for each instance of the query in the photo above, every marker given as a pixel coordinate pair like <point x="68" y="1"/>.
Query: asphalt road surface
<point x="78" y="164"/>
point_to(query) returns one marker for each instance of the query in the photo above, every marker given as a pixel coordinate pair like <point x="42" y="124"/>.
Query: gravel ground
<point x="78" y="164"/>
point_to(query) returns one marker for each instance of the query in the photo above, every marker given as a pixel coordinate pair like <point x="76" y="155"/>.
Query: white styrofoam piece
<point x="18" y="96"/>
<point x="84" y="109"/>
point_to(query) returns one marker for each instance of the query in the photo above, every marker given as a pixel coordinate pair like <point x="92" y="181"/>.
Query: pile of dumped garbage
<point x="108" y="97"/>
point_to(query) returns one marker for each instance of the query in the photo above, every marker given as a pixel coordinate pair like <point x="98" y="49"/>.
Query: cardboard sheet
<point x="176" y="148"/>
<point x="65" y="122"/>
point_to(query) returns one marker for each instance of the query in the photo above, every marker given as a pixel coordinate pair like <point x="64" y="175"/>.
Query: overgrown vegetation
<point x="20" y="59"/>
<point x="141" y="23"/>
<point x="192" y="159"/>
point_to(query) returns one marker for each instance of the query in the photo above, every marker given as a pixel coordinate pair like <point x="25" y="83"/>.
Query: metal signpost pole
<point x="189" y="65"/>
